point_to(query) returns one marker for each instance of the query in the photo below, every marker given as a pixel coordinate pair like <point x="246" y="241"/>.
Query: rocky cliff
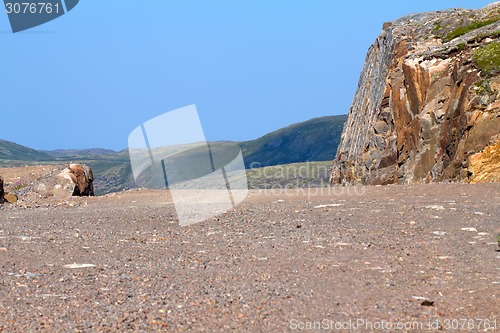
<point x="427" y="106"/>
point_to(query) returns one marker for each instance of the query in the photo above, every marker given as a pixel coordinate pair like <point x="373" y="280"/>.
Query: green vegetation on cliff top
<point x="487" y="58"/>
<point x="468" y="28"/>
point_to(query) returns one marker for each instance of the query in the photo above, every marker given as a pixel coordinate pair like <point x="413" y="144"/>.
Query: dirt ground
<point x="374" y="259"/>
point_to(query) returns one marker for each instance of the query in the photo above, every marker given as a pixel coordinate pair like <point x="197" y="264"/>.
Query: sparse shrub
<point x="487" y="58"/>
<point x="436" y="29"/>
<point x="468" y="28"/>
<point x="482" y="87"/>
<point x="19" y="184"/>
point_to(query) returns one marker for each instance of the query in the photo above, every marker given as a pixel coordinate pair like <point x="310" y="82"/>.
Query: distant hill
<point x="313" y="140"/>
<point x="13" y="151"/>
<point x="79" y="152"/>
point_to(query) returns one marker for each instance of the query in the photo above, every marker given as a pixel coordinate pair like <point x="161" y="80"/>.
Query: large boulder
<point x="1" y="191"/>
<point x="82" y="179"/>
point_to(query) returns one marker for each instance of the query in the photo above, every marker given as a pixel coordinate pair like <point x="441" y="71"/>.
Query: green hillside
<point x="313" y="140"/>
<point x="13" y="151"/>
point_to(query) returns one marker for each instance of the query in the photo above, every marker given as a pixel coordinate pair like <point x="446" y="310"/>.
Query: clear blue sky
<point x="90" y="77"/>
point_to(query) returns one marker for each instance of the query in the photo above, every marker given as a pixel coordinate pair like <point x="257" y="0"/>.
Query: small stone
<point x="11" y="198"/>
<point x="427" y="303"/>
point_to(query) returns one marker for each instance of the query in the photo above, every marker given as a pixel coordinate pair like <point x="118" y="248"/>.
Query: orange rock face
<point x="424" y="110"/>
<point x="485" y="166"/>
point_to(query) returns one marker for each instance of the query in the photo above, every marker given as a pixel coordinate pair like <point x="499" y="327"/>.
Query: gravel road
<point x="388" y="255"/>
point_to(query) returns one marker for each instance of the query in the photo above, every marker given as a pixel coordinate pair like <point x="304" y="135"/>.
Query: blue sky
<point x="88" y="78"/>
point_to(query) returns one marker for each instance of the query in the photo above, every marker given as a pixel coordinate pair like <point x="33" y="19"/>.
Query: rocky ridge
<point x="427" y="106"/>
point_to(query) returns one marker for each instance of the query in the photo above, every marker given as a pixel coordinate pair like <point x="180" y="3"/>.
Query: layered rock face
<point x="427" y="106"/>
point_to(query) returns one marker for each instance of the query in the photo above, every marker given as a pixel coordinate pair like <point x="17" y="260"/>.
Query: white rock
<point x="419" y="298"/>
<point x="330" y="205"/>
<point x="73" y="266"/>
<point x="470" y="229"/>
<point x="435" y="207"/>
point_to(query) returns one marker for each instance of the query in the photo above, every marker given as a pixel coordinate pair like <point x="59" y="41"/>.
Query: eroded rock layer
<point x="427" y="102"/>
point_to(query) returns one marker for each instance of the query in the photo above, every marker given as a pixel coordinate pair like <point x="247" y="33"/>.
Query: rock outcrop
<point x="2" y="200"/>
<point x="427" y="106"/>
<point x="51" y="184"/>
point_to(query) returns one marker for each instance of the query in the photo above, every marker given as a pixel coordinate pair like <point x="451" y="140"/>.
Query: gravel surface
<point x="418" y="255"/>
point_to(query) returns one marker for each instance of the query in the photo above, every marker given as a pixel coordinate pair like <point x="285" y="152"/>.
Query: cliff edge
<point x="427" y="106"/>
